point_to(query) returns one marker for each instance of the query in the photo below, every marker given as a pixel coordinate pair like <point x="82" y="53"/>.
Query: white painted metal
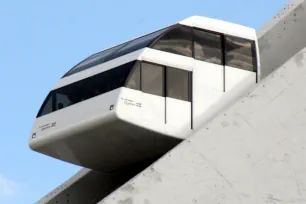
<point x="117" y="120"/>
<point x="178" y="116"/>
<point x="167" y="59"/>
<point x="208" y="75"/>
<point x="220" y="26"/>
<point x="234" y="77"/>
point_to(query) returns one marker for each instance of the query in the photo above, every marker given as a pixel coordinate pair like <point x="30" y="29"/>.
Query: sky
<point x="41" y="40"/>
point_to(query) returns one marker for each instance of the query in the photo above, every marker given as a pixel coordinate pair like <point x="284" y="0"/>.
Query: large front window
<point x="86" y="88"/>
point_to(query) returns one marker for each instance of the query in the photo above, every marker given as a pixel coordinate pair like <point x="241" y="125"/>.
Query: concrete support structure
<point x="254" y="152"/>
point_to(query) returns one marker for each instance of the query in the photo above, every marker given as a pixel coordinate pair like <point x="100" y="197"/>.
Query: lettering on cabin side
<point x="47" y="126"/>
<point x="130" y="102"/>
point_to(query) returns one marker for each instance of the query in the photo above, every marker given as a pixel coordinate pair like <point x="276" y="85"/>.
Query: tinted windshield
<point x="86" y="89"/>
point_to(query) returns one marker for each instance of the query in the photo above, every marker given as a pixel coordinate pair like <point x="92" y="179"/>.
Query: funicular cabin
<point x="137" y="100"/>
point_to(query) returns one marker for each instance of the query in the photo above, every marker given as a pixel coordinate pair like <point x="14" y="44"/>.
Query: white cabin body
<point x="137" y="100"/>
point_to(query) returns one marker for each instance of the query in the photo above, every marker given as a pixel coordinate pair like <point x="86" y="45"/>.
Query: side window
<point x="208" y="47"/>
<point x="133" y="80"/>
<point x="176" y="41"/>
<point x="118" y="76"/>
<point x="152" y="79"/>
<point x="92" y="86"/>
<point x="177" y="84"/>
<point x="239" y="53"/>
<point x="47" y="106"/>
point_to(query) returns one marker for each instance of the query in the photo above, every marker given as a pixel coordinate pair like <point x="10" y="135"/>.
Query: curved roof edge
<point x="220" y="26"/>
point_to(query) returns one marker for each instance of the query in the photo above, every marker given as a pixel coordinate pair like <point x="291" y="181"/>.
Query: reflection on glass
<point x="177" y="84"/>
<point x="152" y="79"/>
<point x="177" y="41"/>
<point x="208" y="47"/>
<point x="239" y="53"/>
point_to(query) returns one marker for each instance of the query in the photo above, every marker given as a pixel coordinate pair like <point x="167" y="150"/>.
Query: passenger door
<point x="178" y="99"/>
<point x="153" y="88"/>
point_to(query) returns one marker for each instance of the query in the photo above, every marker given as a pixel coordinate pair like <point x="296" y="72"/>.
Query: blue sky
<point x="41" y="40"/>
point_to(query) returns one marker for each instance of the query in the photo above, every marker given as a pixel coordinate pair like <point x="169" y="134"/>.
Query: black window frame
<point x="255" y="59"/>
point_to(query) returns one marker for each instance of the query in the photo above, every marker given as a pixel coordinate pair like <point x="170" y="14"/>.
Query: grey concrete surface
<point x="89" y="187"/>
<point x="281" y="37"/>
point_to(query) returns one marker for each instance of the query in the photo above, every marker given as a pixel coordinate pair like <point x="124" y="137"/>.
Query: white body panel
<point x="178" y="115"/>
<point x="149" y="112"/>
<point x="209" y="75"/>
<point x="167" y="59"/>
<point x="234" y="76"/>
<point x="220" y="26"/>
